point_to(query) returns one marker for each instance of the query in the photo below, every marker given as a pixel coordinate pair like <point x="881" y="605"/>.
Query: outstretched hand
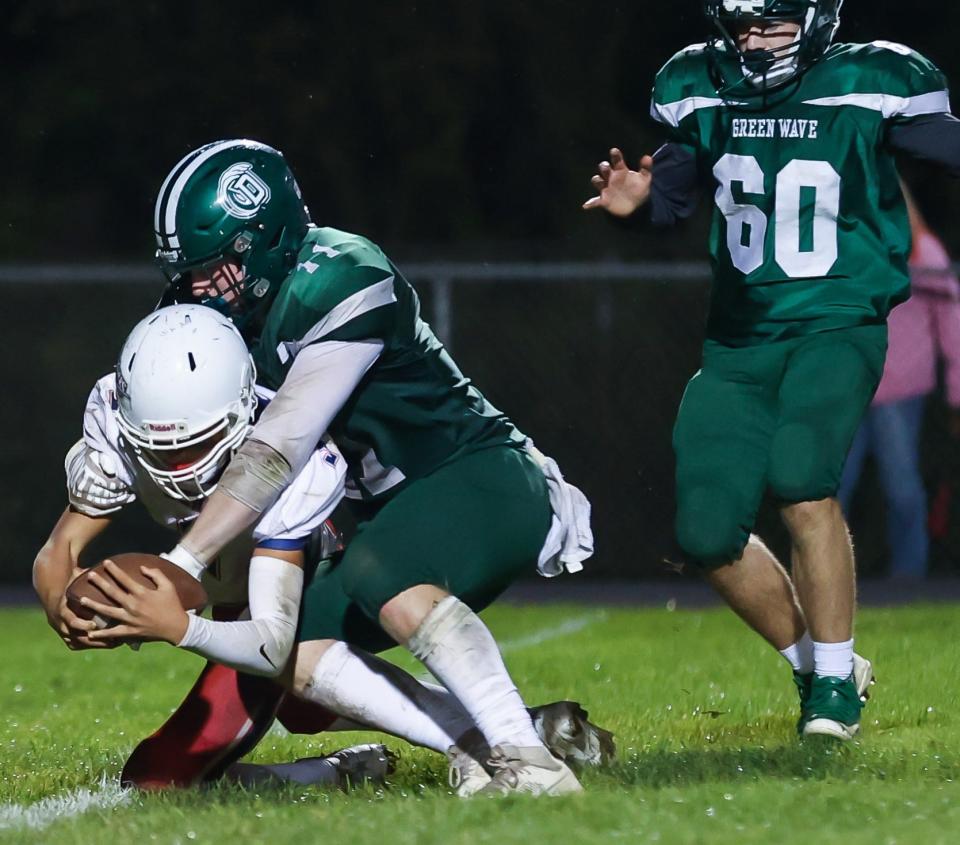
<point x="620" y="190"/>
<point x="142" y="612"/>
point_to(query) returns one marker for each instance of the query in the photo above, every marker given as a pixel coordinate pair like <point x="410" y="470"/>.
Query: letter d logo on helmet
<point x="241" y="192"/>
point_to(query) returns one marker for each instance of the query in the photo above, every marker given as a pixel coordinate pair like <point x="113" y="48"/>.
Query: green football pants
<point x="781" y="417"/>
<point x="471" y="527"/>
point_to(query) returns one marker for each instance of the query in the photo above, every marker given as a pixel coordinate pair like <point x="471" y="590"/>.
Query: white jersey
<point x="288" y="524"/>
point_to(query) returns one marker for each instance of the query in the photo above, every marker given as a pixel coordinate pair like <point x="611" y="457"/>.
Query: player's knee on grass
<point x="710" y="526"/>
<point x="222" y="718"/>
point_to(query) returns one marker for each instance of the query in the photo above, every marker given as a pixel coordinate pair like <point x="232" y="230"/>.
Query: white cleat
<point x="565" y="729"/>
<point x="466" y="775"/>
<point x="863" y="676"/>
<point x="831" y="727"/>
<point x="531" y="771"/>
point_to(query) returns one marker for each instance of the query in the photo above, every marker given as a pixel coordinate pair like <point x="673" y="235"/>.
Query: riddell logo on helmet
<point x="151" y="426"/>
<point x="241" y="192"/>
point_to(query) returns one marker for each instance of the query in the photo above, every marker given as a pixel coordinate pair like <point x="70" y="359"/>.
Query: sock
<point x="800" y="654"/>
<point x="364" y="689"/>
<point x="834" y="660"/>
<point x="309" y="771"/>
<point x="458" y="649"/>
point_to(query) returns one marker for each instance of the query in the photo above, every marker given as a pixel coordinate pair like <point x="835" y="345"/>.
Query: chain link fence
<point x="589" y="359"/>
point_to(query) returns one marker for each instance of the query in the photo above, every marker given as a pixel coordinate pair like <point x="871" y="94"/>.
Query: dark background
<point x="443" y="131"/>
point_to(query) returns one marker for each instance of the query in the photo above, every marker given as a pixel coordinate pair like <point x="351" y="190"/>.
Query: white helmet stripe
<point x="163" y="190"/>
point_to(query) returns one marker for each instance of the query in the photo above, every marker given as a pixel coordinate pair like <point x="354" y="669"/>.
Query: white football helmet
<point x="185" y="391"/>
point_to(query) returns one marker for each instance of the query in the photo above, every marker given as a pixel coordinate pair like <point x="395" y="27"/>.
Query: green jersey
<point x="810" y="231"/>
<point x="414" y="410"/>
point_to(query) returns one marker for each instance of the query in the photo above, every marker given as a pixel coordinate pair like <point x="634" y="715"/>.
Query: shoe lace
<point x="505" y="770"/>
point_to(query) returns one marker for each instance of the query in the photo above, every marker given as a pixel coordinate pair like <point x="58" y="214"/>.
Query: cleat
<point x="466" y="774"/>
<point x="363" y="764"/>
<point x="530" y="771"/>
<point x="863" y="676"/>
<point x="344" y="769"/>
<point x="832" y="708"/>
<point x="564" y="728"/>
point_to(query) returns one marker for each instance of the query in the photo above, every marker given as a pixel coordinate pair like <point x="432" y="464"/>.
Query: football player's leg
<point x="222" y="718"/>
<point x="335" y="669"/>
<point x="722" y="441"/>
<point x="829" y="381"/>
<point x="489" y="514"/>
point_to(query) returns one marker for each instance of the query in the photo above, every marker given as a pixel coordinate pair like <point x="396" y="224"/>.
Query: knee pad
<point x="710" y="526"/>
<point x="803" y="468"/>
<point x="365" y="578"/>
<point x="304" y="717"/>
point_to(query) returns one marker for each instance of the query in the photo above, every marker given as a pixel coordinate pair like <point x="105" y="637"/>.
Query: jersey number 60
<point x="747" y="224"/>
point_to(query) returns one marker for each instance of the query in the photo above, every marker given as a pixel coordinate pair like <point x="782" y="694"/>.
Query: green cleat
<point x="862" y="679"/>
<point x="832" y="708"/>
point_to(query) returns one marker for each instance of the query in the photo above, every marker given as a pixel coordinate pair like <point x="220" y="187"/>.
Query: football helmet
<point x="185" y="397"/>
<point x="230" y="201"/>
<point x="754" y="72"/>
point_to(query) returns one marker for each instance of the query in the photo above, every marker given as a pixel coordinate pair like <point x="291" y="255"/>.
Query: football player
<point x="794" y="138"/>
<point x="162" y="429"/>
<point x="453" y="502"/>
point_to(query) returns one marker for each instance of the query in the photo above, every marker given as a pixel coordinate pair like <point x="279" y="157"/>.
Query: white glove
<point x="92" y="484"/>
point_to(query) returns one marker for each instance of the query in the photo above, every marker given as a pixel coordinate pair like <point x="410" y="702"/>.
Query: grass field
<point x="702" y="710"/>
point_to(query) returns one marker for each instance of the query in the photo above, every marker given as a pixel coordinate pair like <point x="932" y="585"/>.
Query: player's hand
<point x="620" y="190"/>
<point x="71" y="629"/>
<point x="143" y="613"/>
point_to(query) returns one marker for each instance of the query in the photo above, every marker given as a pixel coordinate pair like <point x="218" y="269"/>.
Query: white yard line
<point x="76" y="802"/>
<point x="569" y="626"/>
<point x="542" y="635"/>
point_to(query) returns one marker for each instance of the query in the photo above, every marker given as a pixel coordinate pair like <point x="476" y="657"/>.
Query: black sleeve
<point x="674" y="192"/>
<point x="930" y="137"/>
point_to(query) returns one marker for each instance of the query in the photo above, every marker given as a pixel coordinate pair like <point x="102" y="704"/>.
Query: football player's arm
<point x="320" y="380"/>
<point x="57" y="564"/>
<point x="930" y="137"/>
<point x="261" y="645"/>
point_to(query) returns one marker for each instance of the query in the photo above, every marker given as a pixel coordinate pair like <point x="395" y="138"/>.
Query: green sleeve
<point x="681" y="89"/>
<point x="910" y="83"/>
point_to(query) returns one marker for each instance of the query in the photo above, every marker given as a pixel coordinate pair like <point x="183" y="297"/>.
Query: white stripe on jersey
<point x="890" y="105"/>
<point x="673" y="113"/>
<point x="352" y="307"/>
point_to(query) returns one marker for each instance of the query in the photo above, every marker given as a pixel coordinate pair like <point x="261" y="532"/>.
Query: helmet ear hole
<point x="277" y="238"/>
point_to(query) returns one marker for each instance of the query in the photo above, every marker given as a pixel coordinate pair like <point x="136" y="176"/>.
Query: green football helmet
<point x="233" y="200"/>
<point x="758" y="72"/>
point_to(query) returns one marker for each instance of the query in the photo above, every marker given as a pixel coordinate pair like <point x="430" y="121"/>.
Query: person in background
<point x="922" y="330"/>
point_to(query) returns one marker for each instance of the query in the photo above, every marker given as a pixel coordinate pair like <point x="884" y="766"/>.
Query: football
<point x="189" y="590"/>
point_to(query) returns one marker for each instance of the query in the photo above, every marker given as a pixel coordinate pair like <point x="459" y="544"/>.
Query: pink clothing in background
<point x="923" y="328"/>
